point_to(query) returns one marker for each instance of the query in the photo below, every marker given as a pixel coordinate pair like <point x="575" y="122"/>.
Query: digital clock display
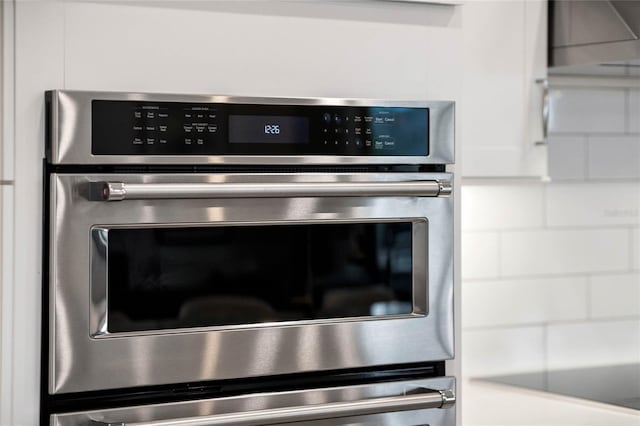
<point x="266" y="129"/>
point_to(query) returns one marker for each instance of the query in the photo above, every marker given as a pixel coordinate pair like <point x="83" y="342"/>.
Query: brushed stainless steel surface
<point x="595" y="32"/>
<point x="71" y="131"/>
<point x="118" y="191"/>
<point x="84" y="357"/>
<point x="415" y="401"/>
<point x="544" y="84"/>
<point x="404" y="403"/>
<point x="448" y="398"/>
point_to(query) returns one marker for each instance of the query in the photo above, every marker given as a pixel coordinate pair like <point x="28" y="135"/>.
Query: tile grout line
<point x="545" y="345"/>
<point x="585" y="165"/>
<point x="632" y="248"/>
<point x="12" y="379"/>
<point x="603" y="320"/>
<point x="589" y="294"/>
<point x="627" y="105"/>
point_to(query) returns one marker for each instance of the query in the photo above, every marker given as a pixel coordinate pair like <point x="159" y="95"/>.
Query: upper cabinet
<point x="389" y="50"/>
<point x="504" y="68"/>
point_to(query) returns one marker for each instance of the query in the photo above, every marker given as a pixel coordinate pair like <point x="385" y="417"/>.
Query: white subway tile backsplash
<point x="479" y="255"/>
<point x="567" y="157"/>
<point x="633" y="114"/>
<point x="577" y="110"/>
<point x="524" y="301"/>
<point x="487" y="207"/>
<point x="552" y="272"/>
<point x="614" y="296"/>
<point x="614" y="157"/>
<point x="593" y="343"/>
<point x="543" y="252"/>
<point x="593" y="204"/>
<point x="502" y="351"/>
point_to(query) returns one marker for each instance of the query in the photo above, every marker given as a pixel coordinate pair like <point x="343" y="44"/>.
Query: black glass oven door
<point x="162" y="278"/>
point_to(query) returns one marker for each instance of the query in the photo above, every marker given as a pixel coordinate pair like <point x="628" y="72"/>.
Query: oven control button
<point x="212" y="128"/>
<point x="358" y="142"/>
<point x="187" y="141"/>
<point x="151" y="114"/>
<point x="326" y="117"/>
<point x="163" y="115"/>
<point x="138" y="128"/>
<point x="200" y="141"/>
<point x="187" y="129"/>
<point x="163" y="128"/>
<point x="137" y="141"/>
<point x="337" y="119"/>
<point x="151" y="141"/>
<point x="137" y="114"/>
<point x="162" y="141"/>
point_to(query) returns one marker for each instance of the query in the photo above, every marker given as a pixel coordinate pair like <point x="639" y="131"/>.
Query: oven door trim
<point x="99" y="278"/>
<point x="80" y="362"/>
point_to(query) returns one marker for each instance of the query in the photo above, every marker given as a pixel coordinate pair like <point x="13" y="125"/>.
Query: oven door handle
<point x="425" y="399"/>
<point x="118" y="191"/>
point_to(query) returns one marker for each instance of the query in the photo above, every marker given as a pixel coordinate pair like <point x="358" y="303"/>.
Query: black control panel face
<point x="212" y="129"/>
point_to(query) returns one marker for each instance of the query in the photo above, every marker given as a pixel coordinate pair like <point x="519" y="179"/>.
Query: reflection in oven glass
<point x="166" y="278"/>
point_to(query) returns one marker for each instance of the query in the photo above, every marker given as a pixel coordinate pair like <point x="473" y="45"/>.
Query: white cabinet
<point x="385" y="50"/>
<point x="505" y="51"/>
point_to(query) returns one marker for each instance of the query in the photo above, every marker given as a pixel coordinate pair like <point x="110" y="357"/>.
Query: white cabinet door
<point x="385" y="50"/>
<point x="504" y="55"/>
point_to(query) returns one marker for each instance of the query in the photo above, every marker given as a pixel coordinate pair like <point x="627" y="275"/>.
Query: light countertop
<point x="492" y="404"/>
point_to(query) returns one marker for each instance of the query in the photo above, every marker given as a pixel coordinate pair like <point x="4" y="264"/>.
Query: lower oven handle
<point x="415" y="401"/>
<point x="118" y="191"/>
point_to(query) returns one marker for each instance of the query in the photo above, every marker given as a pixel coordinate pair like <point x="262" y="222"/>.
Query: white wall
<point x="551" y="271"/>
<point x="390" y="50"/>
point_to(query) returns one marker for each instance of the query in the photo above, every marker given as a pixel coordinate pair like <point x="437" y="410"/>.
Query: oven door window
<point x="182" y="277"/>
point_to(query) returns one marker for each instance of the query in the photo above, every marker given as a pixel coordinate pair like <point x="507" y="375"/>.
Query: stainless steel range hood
<point x="595" y="34"/>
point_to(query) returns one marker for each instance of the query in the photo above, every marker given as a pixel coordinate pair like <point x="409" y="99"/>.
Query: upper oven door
<point x="160" y="279"/>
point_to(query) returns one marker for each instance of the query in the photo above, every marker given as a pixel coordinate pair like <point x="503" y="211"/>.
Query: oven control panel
<point x="128" y="127"/>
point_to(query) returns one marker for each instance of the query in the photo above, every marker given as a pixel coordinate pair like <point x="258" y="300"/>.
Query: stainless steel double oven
<point x="247" y="261"/>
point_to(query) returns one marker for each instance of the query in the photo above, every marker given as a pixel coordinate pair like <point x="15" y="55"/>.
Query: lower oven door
<point x="164" y="278"/>
<point x="408" y="403"/>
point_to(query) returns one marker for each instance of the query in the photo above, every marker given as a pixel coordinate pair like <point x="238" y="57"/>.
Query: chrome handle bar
<point x="118" y="191"/>
<point x="417" y="401"/>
